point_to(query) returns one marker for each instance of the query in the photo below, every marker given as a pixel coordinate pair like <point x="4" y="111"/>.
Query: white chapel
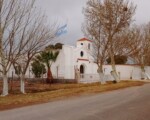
<point x="72" y="59"/>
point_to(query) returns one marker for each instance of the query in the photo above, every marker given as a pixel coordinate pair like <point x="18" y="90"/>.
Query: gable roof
<point x="85" y="39"/>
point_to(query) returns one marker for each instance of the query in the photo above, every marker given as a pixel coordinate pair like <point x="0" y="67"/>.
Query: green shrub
<point x="38" y="69"/>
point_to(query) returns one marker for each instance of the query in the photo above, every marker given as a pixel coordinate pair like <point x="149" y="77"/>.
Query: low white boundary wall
<point x="126" y="72"/>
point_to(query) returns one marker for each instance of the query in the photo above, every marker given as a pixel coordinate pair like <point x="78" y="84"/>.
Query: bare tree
<point x="146" y="55"/>
<point x="92" y="29"/>
<point x="134" y="43"/>
<point x="12" y="13"/>
<point x="114" y="16"/>
<point x="34" y="38"/>
<point x="127" y="43"/>
<point x="23" y="32"/>
<point x="142" y="56"/>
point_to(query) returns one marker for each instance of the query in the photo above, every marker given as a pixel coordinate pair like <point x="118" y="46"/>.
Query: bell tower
<point x="84" y="43"/>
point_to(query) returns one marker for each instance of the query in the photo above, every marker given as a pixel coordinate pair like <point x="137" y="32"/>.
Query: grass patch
<point x="46" y="93"/>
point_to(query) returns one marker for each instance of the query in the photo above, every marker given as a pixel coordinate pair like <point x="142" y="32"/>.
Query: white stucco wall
<point x="69" y="61"/>
<point x="58" y="68"/>
<point x="125" y="71"/>
<point x="64" y="65"/>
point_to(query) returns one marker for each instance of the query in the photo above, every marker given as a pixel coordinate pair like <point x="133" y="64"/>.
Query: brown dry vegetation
<point x="41" y="93"/>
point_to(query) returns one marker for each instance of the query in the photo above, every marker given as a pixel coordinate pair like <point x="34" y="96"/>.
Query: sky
<point x="70" y="12"/>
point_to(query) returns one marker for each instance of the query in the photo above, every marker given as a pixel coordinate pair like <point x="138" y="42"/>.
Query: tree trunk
<point x="101" y="75"/>
<point x="102" y="78"/>
<point x="5" y="85"/>
<point x="22" y="83"/>
<point x="49" y="76"/>
<point x="114" y="72"/>
<point x="144" y="75"/>
<point x="147" y="76"/>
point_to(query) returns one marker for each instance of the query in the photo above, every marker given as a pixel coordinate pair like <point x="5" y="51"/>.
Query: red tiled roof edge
<point x="82" y="59"/>
<point x="85" y="39"/>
